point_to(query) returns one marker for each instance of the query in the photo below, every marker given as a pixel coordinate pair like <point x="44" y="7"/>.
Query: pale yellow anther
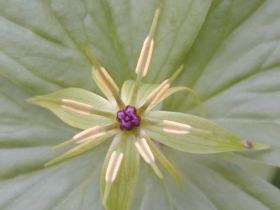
<point x="155" y="96"/>
<point x="86" y="113"/>
<point x="160" y="94"/>
<point x="145" y="57"/>
<point x="75" y="106"/>
<point x="107" y="86"/>
<point x="107" y="81"/>
<point x="101" y="76"/>
<point x="158" y="91"/>
<point x="144" y="150"/>
<point x="175" y="127"/>
<point x="147" y="49"/>
<point x="90" y="133"/>
<point x="113" y="167"/>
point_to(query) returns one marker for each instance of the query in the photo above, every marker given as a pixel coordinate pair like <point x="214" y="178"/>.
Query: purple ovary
<point x="128" y="118"/>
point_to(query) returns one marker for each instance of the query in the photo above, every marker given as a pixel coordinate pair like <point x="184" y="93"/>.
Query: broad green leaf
<point x="121" y="191"/>
<point x="77" y="179"/>
<point x="203" y="137"/>
<point x="74" y="118"/>
<point x="208" y="182"/>
<point x="235" y="71"/>
<point x="223" y="183"/>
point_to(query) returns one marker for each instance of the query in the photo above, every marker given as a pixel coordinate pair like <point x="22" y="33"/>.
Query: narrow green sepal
<point x="81" y="148"/>
<point x="99" y="112"/>
<point x="165" y="162"/>
<point x="193" y="134"/>
<point x="120" y="194"/>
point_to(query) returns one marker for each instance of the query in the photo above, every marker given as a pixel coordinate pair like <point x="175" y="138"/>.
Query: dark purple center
<point x="128" y="118"/>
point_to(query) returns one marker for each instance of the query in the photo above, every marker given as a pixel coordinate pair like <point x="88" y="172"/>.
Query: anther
<point x="113" y="167"/>
<point x="175" y="127"/>
<point x="107" y="85"/>
<point x="75" y="106"/>
<point x="144" y="150"/>
<point x="147" y="49"/>
<point x="107" y="81"/>
<point x="93" y="133"/>
<point x="146" y="153"/>
<point x="104" y="80"/>
<point x="145" y="57"/>
<point x="155" y="95"/>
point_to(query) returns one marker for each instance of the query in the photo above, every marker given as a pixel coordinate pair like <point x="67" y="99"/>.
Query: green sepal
<point x="77" y="150"/>
<point x="119" y="195"/>
<point x="204" y="137"/>
<point x="52" y="102"/>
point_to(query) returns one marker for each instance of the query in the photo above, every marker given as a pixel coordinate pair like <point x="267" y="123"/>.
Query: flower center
<point x="128" y="118"/>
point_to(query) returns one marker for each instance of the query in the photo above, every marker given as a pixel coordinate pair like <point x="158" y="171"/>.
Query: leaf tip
<point x="255" y="146"/>
<point x="32" y="100"/>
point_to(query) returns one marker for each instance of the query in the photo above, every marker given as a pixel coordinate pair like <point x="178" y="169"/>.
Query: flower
<point x="129" y="117"/>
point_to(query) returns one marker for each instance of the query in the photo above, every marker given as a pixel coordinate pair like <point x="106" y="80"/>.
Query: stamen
<point x="113" y="166"/>
<point x="104" y="80"/>
<point x="146" y="153"/>
<point x="160" y="94"/>
<point x="144" y="150"/>
<point x="76" y="110"/>
<point x="92" y="133"/>
<point x="107" y="85"/>
<point x="83" y="108"/>
<point x="101" y="75"/>
<point x="175" y="127"/>
<point x="155" y="95"/>
<point x="147" y="49"/>
<point x="145" y="57"/>
<point x="107" y="81"/>
<point x="75" y="106"/>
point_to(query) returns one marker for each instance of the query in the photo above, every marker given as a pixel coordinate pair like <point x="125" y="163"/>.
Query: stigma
<point x="128" y="118"/>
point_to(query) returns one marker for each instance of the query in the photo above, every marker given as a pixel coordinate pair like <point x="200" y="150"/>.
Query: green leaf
<point x="74" y="118"/>
<point x="121" y="191"/>
<point x="217" y="181"/>
<point x="245" y="96"/>
<point x="208" y="182"/>
<point x="203" y="137"/>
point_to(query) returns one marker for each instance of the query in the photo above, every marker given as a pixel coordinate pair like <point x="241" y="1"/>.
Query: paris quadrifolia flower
<point x="130" y="117"/>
